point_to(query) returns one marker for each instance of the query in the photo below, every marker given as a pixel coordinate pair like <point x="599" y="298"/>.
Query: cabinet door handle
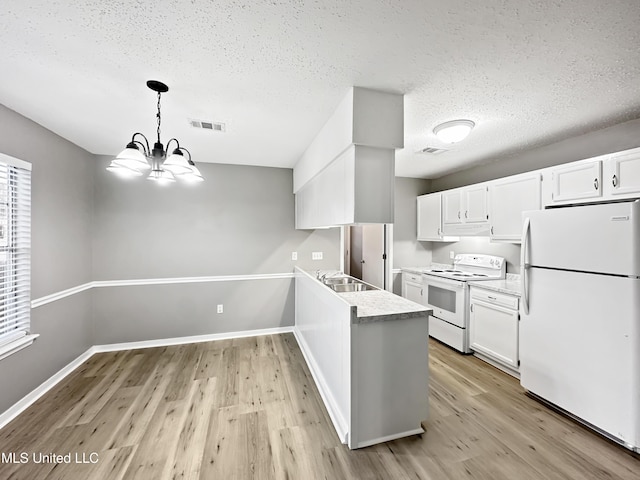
<point x="466" y="214"/>
<point x="614" y="180"/>
<point x="471" y="307"/>
<point x="595" y="183"/>
<point x="491" y="298"/>
<point x="491" y="230"/>
<point x="458" y="214"/>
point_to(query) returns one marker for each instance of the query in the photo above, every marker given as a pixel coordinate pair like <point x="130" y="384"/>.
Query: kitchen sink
<point x="351" y="287"/>
<point x="339" y="280"/>
<point x="344" y="283"/>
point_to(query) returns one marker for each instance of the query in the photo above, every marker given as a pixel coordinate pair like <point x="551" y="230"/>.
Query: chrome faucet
<point x="326" y="275"/>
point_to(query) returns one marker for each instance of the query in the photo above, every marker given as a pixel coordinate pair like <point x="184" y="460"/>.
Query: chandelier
<point x="137" y="157"/>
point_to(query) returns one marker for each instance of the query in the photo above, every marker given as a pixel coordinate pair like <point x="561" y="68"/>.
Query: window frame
<point x="15" y="281"/>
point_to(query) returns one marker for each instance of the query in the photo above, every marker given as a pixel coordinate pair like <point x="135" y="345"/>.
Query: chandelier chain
<point x="158" y="117"/>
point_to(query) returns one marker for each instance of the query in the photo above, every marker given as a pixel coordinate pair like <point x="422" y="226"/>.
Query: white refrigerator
<point x="580" y="325"/>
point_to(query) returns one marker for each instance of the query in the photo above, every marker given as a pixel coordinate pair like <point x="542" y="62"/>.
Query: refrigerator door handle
<point x="524" y="285"/>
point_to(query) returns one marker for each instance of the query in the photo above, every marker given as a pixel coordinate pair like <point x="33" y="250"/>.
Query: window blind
<point x="15" y="250"/>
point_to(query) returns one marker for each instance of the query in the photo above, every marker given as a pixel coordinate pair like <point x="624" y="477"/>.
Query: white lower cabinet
<point x="412" y="287"/>
<point x="494" y="325"/>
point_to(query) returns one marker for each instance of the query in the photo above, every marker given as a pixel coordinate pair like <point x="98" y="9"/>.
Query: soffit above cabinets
<point x="347" y="174"/>
<point x="364" y="117"/>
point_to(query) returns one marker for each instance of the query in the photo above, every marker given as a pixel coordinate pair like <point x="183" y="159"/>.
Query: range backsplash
<point x="511" y="252"/>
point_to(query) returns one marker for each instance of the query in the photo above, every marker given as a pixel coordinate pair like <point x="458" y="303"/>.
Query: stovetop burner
<point x="472" y="267"/>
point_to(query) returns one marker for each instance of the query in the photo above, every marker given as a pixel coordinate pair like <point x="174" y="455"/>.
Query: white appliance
<point x="446" y="291"/>
<point x="580" y="328"/>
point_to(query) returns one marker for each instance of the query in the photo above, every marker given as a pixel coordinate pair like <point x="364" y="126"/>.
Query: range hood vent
<point x="432" y="150"/>
<point x="207" y="125"/>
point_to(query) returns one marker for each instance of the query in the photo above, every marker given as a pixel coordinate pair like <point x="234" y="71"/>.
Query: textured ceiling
<point x="527" y="72"/>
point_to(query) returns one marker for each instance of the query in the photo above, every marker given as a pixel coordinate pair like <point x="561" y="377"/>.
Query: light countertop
<point x="380" y="305"/>
<point x="510" y="285"/>
<point x="376" y="305"/>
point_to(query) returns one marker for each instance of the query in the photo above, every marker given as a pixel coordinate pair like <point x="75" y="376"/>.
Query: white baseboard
<point x="26" y="401"/>
<point x="388" y="438"/>
<point x="337" y="419"/>
<point x="164" y="342"/>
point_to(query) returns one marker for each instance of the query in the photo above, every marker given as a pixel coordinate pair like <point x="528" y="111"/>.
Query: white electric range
<point x="446" y="291"/>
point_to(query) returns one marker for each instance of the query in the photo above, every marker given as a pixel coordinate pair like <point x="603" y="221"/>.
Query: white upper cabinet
<point x="607" y="177"/>
<point x="475" y="204"/>
<point x="622" y="174"/>
<point x="495" y="208"/>
<point x="452" y="207"/>
<point x="464" y="211"/>
<point x="357" y="187"/>
<point x="430" y="219"/>
<point x="576" y="182"/>
<point x="508" y="198"/>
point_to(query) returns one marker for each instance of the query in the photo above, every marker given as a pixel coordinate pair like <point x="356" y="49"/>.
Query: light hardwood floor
<point x="248" y="408"/>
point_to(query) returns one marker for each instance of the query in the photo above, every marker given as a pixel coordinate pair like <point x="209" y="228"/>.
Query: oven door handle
<point x="457" y="286"/>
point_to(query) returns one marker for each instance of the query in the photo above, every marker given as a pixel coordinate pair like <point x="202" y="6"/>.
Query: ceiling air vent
<point x="432" y="150"/>
<point x="207" y="125"/>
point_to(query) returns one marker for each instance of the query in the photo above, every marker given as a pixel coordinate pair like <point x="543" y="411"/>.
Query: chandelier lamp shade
<point x="138" y="158"/>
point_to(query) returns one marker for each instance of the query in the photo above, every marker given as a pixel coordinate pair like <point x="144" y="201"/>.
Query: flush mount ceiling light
<point x="137" y="157"/>
<point x="453" y="131"/>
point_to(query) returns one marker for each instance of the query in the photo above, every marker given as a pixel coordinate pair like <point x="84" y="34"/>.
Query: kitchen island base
<point x="368" y="354"/>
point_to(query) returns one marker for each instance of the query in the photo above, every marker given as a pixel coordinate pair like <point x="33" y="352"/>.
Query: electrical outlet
<point x="294" y="255"/>
<point x="316" y="255"/>
<point x="452" y="254"/>
<point x="220" y="308"/>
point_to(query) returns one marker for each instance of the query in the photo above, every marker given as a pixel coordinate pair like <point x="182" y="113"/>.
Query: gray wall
<point x="407" y="251"/>
<point x="618" y="137"/>
<point x="90" y="225"/>
<point x="61" y="222"/>
<point x="240" y="221"/>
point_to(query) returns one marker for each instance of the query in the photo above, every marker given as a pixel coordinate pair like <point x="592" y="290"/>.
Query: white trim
<point x="14" y="162"/>
<point x="165" y="281"/>
<point x="388" y="438"/>
<point x="164" y="342"/>
<point x="17" y="345"/>
<point x="26" y="401"/>
<point x="38" y="302"/>
<point x="339" y="423"/>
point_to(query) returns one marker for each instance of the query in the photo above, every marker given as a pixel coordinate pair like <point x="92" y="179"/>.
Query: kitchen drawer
<point x="494" y="298"/>
<point x="411" y="277"/>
